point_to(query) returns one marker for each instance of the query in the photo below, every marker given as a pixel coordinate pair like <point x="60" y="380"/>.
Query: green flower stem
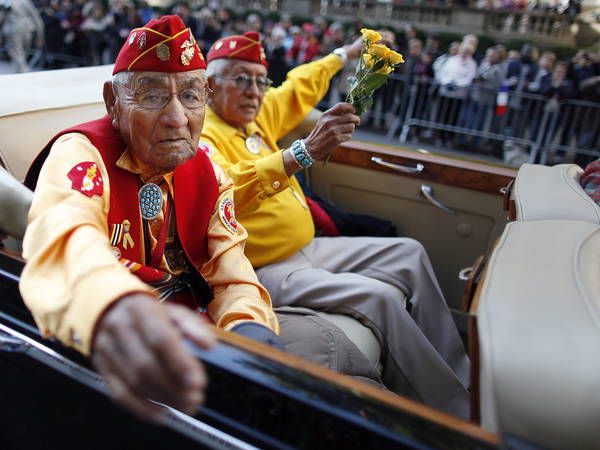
<point x="359" y="91"/>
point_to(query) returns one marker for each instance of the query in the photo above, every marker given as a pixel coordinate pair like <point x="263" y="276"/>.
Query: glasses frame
<point x="250" y="81"/>
<point x="135" y="95"/>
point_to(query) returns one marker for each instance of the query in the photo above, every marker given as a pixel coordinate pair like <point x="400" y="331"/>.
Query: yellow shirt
<point x="269" y="204"/>
<point x="72" y="275"/>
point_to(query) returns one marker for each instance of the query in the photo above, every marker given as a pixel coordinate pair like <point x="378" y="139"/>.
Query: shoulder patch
<point x="86" y="178"/>
<point x="227" y="215"/>
<point x="205" y="147"/>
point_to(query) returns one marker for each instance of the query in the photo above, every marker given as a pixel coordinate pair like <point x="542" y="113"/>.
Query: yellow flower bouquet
<point x="375" y="64"/>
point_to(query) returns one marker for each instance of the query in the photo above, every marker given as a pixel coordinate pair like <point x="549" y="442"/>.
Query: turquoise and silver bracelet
<point x="301" y="155"/>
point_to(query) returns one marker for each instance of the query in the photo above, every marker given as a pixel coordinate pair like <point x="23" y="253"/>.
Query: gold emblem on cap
<point x="132" y="37"/>
<point x="218" y="45"/>
<point x="141" y="40"/>
<point x="232" y="44"/>
<point x="188" y="52"/>
<point x="163" y="53"/>
<point x="262" y="54"/>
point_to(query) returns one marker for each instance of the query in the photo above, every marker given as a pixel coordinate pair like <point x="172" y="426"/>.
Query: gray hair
<point x="121" y="79"/>
<point x="217" y="67"/>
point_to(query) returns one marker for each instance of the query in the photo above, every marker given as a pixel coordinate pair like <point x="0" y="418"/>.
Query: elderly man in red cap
<point x="366" y="277"/>
<point x="127" y="213"/>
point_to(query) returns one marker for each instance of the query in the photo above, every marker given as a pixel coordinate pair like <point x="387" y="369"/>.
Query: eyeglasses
<point x="245" y="82"/>
<point x="158" y="98"/>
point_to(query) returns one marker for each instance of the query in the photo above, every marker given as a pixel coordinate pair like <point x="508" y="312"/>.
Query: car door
<point x="462" y="218"/>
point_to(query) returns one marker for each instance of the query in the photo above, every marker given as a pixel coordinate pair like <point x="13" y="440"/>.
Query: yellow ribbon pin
<point x="127" y="240"/>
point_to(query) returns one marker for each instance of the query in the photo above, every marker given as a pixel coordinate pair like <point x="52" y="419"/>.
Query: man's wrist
<point x="342" y="54"/>
<point x="301" y="155"/>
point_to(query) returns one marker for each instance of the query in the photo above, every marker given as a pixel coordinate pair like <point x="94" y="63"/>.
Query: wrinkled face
<point x="238" y="105"/>
<point x="159" y="139"/>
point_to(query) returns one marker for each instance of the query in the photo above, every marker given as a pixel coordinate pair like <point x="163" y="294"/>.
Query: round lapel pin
<point x="253" y="144"/>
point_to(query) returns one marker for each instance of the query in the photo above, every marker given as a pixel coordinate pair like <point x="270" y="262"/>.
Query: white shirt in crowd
<point x="458" y="70"/>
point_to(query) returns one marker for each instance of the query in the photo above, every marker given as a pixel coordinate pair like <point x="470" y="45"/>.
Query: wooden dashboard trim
<point x="440" y="169"/>
<point x="358" y="387"/>
<point x="12" y="254"/>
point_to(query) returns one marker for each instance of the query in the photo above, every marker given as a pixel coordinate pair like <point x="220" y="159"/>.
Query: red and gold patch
<point x="86" y="178"/>
<point x="227" y="215"/>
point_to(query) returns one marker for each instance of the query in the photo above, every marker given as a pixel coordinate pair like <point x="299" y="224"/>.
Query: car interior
<point x="532" y="318"/>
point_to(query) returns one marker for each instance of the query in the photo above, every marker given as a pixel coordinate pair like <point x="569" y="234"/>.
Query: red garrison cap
<point x="162" y="45"/>
<point x="246" y="46"/>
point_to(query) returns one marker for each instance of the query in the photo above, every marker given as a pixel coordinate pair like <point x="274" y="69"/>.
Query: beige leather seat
<point x="539" y="334"/>
<point x="43" y="104"/>
<point x="538" y="315"/>
<point x="543" y="193"/>
<point x="48" y="102"/>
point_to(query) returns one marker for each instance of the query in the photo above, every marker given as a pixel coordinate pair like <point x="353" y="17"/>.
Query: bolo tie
<point x="151" y="201"/>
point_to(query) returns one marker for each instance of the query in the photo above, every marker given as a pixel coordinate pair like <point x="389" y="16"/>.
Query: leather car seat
<point x="538" y="314"/>
<point x="544" y="193"/>
<point x="539" y="334"/>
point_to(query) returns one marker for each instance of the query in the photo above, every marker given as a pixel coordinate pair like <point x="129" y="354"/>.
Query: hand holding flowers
<point x="375" y="64"/>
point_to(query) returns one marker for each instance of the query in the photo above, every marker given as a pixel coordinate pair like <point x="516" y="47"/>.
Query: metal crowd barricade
<point x="390" y="103"/>
<point x="533" y="127"/>
<point x="572" y="129"/>
<point x="463" y="114"/>
<point x="537" y="127"/>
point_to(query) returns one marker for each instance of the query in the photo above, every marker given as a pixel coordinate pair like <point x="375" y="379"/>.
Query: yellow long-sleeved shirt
<point x="267" y="200"/>
<point x="72" y="274"/>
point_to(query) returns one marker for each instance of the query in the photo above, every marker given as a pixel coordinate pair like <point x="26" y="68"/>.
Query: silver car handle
<point x="465" y="273"/>
<point x="12" y="344"/>
<point x="427" y="192"/>
<point x="404" y="169"/>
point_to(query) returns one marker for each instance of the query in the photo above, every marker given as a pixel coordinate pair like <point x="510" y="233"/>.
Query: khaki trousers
<point x="368" y="278"/>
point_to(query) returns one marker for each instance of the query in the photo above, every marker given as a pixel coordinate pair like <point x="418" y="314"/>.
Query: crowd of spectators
<point x="570" y="7"/>
<point x="459" y="87"/>
<point x="466" y="76"/>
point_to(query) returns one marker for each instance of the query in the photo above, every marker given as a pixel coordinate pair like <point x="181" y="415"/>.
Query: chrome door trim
<point x="427" y="192"/>
<point x="404" y="169"/>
